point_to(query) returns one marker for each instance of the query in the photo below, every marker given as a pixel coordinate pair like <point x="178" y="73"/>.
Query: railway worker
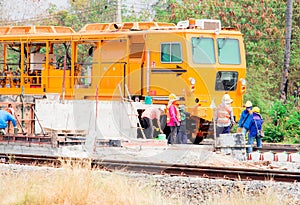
<point x="10" y="110"/>
<point x="150" y="114"/>
<point x="181" y="135"/>
<point x="173" y="118"/>
<point x="223" y="116"/>
<point x="6" y="117"/>
<point x="245" y="119"/>
<point x="255" y="129"/>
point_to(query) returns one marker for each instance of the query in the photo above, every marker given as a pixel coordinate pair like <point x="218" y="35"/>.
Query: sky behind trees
<point x="20" y="10"/>
<point x="17" y="10"/>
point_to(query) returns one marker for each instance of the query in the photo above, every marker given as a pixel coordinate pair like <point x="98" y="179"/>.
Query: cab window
<point x="203" y="51"/>
<point x="226" y="81"/>
<point x="228" y="51"/>
<point x="171" y="53"/>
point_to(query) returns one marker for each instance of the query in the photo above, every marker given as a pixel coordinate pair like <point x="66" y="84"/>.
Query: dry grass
<point x="267" y="196"/>
<point x="79" y="185"/>
<point x="75" y="186"/>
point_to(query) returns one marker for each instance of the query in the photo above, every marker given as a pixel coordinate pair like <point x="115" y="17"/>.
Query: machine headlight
<point x="192" y="81"/>
<point x="243" y="81"/>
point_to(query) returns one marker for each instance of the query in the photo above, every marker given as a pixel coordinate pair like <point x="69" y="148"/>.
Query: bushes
<point x="282" y="123"/>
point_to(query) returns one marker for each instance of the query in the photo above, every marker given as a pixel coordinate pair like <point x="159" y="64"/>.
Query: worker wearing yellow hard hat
<point x="255" y="130"/>
<point x="173" y="118"/>
<point x="256" y="109"/>
<point x="172" y="96"/>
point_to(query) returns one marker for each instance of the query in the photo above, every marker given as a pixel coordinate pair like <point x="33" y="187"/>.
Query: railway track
<point x="211" y="172"/>
<point x="277" y="148"/>
<point x="267" y="147"/>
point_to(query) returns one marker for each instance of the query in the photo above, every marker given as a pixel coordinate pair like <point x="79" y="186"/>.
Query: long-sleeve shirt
<point x="173" y="115"/>
<point x="245" y="119"/>
<point x="4" y="118"/>
<point x="224" y="115"/>
<point x="255" y="124"/>
<point x="152" y="113"/>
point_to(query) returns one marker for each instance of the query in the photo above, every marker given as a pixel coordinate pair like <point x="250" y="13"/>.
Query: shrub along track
<point x="211" y="172"/>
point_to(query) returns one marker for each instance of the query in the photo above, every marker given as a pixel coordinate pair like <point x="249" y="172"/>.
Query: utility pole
<point x="287" y="51"/>
<point x="119" y="11"/>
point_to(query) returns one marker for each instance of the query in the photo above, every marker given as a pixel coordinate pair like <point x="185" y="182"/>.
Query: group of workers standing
<point x="176" y="121"/>
<point x="250" y="121"/>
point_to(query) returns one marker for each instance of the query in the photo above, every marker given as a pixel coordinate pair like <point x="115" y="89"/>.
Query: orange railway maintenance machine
<point x="195" y="59"/>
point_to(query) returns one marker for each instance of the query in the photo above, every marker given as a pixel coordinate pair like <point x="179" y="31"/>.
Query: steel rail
<point x="278" y="148"/>
<point x="212" y="172"/>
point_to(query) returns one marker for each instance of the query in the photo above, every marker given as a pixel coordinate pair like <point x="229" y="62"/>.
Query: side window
<point x="171" y="53"/>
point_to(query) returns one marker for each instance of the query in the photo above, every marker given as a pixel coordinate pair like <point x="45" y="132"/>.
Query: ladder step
<point x="132" y="109"/>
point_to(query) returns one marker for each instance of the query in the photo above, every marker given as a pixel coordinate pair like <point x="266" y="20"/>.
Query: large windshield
<point x="203" y="51"/>
<point x="228" y="51"/>
<point x="226" y="80"/>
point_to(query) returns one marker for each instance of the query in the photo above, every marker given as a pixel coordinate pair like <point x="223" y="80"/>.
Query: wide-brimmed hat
<point x="172" y="96"/>
<point x="162" y="108"/>
<point x="248" y="104"/>
<point x="227" y="99"/>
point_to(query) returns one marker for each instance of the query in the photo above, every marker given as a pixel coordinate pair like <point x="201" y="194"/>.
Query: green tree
<point x="82" y="12"/>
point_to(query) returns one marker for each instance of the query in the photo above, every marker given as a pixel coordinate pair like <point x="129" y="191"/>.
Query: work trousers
<point x="149" y="130"/>
<point x="251" y="142"/>
<point x="172" y="138"/>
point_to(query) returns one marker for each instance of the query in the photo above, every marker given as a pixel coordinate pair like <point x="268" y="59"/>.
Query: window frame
<point x="221" y="83"/>
<point x="170" y="54"/>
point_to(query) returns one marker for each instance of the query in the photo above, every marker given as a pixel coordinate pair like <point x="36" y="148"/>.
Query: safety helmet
<point x="162" y="108"/>
<point x="172" y="96"/>
<point x="256" y="109"/>
<point x="226" y="99"/>
<point x="248" y="104"/>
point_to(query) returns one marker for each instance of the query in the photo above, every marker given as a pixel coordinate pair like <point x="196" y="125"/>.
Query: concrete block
<point x="267" y="156"/>
<point x="232" y="139"/>
<point x="254" y="156"/>
<point x="294" y="157"/>
<point x="281" y="157"/>
<point x="109" y="119"/>
<point x="145" y="143"/>
<point x="239" y="154"/>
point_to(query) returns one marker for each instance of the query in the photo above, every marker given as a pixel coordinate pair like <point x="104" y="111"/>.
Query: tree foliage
<point x="82" y="12"/>
<point x="283" y="123"/>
